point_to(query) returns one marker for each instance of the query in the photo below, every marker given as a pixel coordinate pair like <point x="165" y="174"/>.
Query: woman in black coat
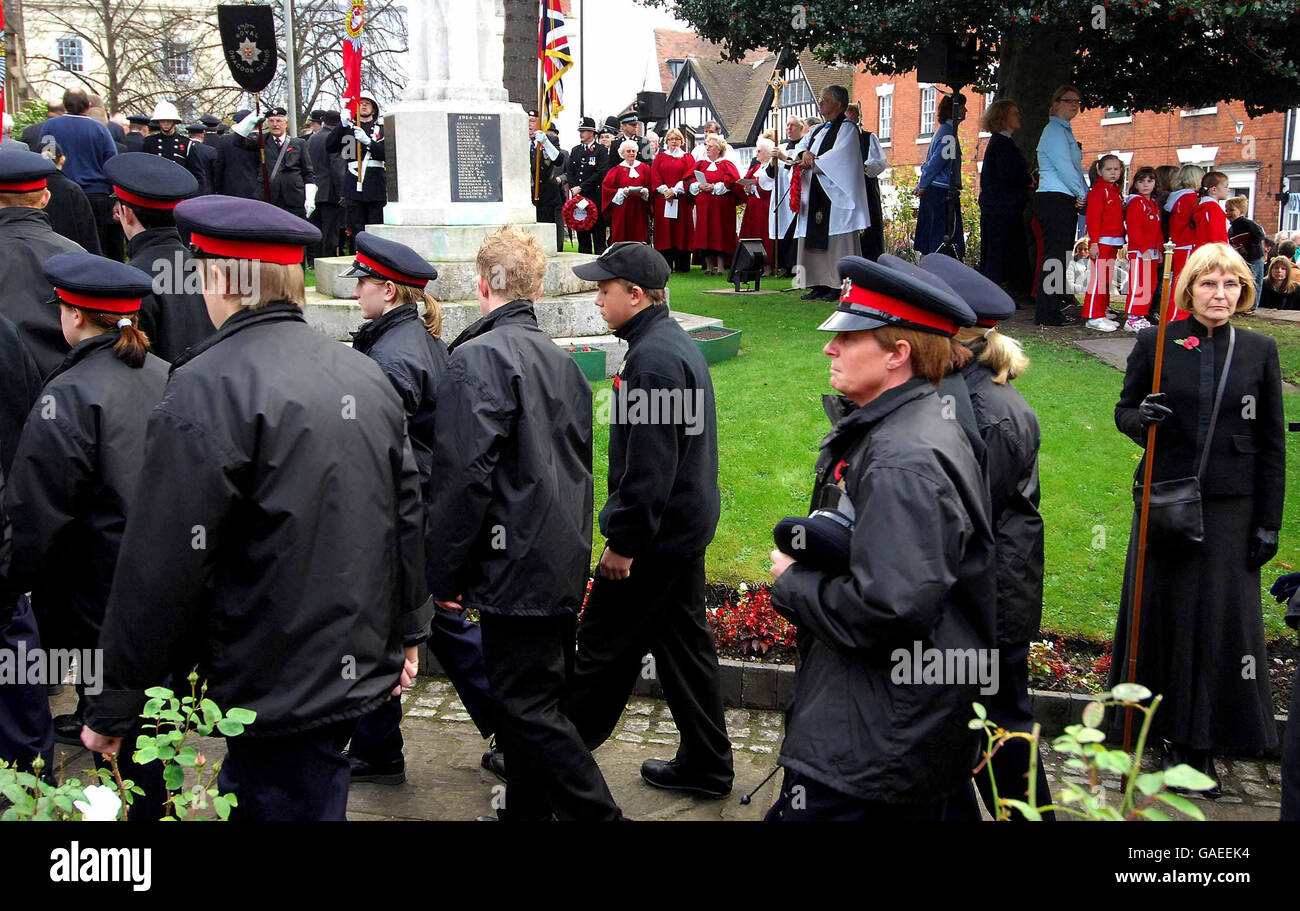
<point x="78" y="464"/>
<point x="1202" y="635"/>
<point x="1004" y="191"/>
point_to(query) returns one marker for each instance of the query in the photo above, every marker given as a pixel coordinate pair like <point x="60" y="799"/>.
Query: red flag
<point x="556" y="59"/>
<point x="352" y="56"/>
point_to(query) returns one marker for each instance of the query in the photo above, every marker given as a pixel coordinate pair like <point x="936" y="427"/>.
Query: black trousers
<point x="1009" y="707"/>
<point x="1004" y="250"/>
<point x="458" y="646"/>
<point x="1058" y="221"/>
<point x="358" y="215"/>
<point x="26" y="728"/>
<point x="805" y="800"/>
<point x="112" y="242"/>
<point x="592" y="241"/>
<point x="301" y="778"/>
<point x="329" y="218"/>
<point x="1291" y="759"/>
<point x="658" y="609"/>
<point x="552" y="213"/>
<point x="549" y="769"/>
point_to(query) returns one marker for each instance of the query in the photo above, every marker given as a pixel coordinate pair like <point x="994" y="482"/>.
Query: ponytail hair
<point x="1003" y="355"/>
<point x="133" y="345"/>
<point x="1211" y="180"/>
<point x="432" y="315"/>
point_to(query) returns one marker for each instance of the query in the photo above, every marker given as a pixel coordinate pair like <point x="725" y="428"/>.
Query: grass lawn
<point x="770" y="422"/>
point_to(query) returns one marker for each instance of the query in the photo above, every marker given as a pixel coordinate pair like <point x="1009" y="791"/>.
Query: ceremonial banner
<point x="248" y="42"/>
<point x="4" y="60"/>
<point x="556" y="59"/>
<point x="353" y="27"/>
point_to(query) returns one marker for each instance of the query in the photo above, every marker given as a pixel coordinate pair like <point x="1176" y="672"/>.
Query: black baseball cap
<point x="630" y="260"/>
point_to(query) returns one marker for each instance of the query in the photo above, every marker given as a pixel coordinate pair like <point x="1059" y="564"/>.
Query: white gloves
<point x="720" y="189"/>
<point x="663" y="189"/>
<point x="620" y="196"/>
<point x="695" y="188"/>
<point x="247" y="125"/>
<point x="361" y="136"/>
<point x="345" y="116"/>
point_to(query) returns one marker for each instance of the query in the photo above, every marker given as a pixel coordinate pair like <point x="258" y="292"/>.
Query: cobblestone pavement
<point x="444" y="779"/>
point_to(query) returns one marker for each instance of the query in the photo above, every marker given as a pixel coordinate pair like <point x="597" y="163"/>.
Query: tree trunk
<point x="523" y="18"/>
<point x="1030" y="69"/>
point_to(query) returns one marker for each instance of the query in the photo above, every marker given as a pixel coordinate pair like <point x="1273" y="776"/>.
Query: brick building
<point x="1251" y="151"/>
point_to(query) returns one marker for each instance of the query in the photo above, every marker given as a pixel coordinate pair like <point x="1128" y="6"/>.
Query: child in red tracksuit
<point x="1209" y="221"/>
<point x="1105" y="221"/>
<point x="1180" y="205"/>
<point x="1145" y="242"/>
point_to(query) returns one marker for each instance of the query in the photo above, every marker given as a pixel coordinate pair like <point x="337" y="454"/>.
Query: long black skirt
<point x="1201" y="641"/>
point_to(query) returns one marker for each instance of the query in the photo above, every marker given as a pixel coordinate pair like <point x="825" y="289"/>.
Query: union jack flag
<point x="555" y="59"/>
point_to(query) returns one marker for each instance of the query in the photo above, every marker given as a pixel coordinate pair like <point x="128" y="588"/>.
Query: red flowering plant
<point x="751" y="628"/>
<point x="1054" y="666"/>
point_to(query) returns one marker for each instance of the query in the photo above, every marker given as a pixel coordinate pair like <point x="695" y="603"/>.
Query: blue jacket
<point x="1060" y="160"/>
<point x="87" y="145"/>
<point x="937" y="170"/>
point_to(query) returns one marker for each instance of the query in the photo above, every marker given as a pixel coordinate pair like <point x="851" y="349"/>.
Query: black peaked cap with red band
<point x="96" y="283"/>
<point x="387" y="260"/>
<point x="990" y="303"/>
<point x="149" y="181"/>
<point x="874" y="295"/>
<point x="229" y="227"/>
<point x="22" y="172"/>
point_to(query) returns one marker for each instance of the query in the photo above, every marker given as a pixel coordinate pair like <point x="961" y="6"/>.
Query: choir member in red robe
<point x="715" y="207"/>
<point x="757" y="198"/>
<point x="625" y="196"/>
<point x="672" y="172"/>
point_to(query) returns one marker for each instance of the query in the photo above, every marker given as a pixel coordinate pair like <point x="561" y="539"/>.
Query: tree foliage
<point x="1131" y="54"/>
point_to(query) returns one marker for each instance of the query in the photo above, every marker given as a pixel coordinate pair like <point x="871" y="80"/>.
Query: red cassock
<point x="673" y="233"/>
<point x="715" y="216"/>
<point x="631" y="220"/>
<point x="754" y="222"/>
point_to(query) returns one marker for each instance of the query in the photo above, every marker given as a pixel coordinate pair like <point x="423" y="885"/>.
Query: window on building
<point x="927" y="110"/>
<point x="885" y="122"/>
<point x="175" y="60"/>
<point x="675" y="67"/>
<point x="1115" y="113"/>
<point x="1199" y="112"/>
<point x="70" y="54"/>
<point x="795" y="91"/>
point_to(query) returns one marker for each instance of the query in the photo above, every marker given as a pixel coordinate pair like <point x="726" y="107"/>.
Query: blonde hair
<point x="513" y="263"/>
<point x="270" y="281"/>
<point x="996" y="114"/>
<point x="1004" y="356"/>
<point x="432" y="315"/>
<point x="1189" y="177"/>
<point x="1214" y="258"/>
<point x="1237" y="204"/>
<point x="716" y="139"/>
<point x="1059" y="93"/>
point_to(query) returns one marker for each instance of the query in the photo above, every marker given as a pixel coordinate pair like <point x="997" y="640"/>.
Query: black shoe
<point x="67" y="729"/>
<point x="667" y="774"/>
<point x="1057" y="320"/>
<point x="494" y="760"/>
<point x="378" y="773"/>
<point x="814" y="294"/>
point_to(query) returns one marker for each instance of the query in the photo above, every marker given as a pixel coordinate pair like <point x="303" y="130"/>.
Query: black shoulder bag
<point x="1174" y="518"/>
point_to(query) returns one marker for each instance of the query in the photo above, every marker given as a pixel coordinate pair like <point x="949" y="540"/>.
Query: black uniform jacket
<point x="343" y="142"/>
<point x="327" y="166"/>
<point x="277" y="541"/>
<point x="203" y="165"/>
<point x="663" y="443"/>
<point x="414" y="361"/>
<point x="550" y="192"/>
<point x="289" y="180"/>
<point x="1011" y="437"/>
<point x="239" y="168"/>
<point x="922" y="576"/>
<point x="74" y="479"/>
<point x="586" y="169"/>
<point x="26" y="242"/>
<point x="172" y="146"/>
<point x="173" y="321"/>
<point x="510" y="521"/>
<point x="20" y="383"/>
<point x="1248" y="452"/>
<point x="70" y="213"/>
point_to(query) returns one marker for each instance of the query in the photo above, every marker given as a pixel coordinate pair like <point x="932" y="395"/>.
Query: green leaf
<point x="248" y="716"/>
<point x="1131" y="692"/>
<point x="1089" y="735"/>
<point x="1184" y="776"/>
<point x="1029" y="812"/>
<point x="222" y="806"/>
<point x="975" y="724"/>
<point x="159" y="692"/>
<point x="145" y="755"/>
<point x="230" y="727"/>
<point x="174" y="777"/>
<point x="1093" y="713"/>
<point x="188" y="756"/>
<point x="211" y="714"/>
<point x="979" y="711"/>
<point x="151" y="708"/>
<point x="166" y="751"/>
<point x="1149" y="783"/>
<point x="1116" y="761"/>
<point x="1156" y="814"/>
<point x="1182" y="805"/>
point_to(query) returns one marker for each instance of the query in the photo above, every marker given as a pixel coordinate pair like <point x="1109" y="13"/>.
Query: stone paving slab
<point x="444" y="779"/>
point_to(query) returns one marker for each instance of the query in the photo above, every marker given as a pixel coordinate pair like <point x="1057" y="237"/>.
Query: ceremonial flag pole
<point x="4" y="61"/>
<point x="554" y="60"/>
<point x="1145" y="508"/>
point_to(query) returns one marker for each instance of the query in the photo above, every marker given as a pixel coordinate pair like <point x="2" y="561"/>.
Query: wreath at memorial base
<point x="571" y="218"/>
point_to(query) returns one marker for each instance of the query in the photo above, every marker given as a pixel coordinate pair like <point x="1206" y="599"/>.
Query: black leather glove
<point x="1153" y="409"/>
<point x="1263" y="546"/>
<point x="1285" y="587"/>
